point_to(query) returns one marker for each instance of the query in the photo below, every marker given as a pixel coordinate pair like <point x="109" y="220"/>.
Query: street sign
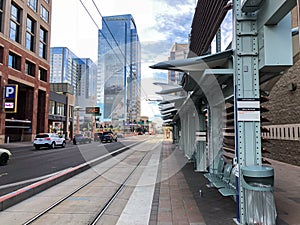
<point x="11" y="91"/>
<point x="92" y="110"/>
<point x="10" y="98"/>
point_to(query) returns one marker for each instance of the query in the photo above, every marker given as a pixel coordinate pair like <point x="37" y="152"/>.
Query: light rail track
<point x="114" y="178"/>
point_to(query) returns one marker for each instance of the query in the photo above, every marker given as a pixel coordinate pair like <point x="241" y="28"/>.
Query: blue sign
<point x="10" y="91"/>
<point x="10" y="98"/>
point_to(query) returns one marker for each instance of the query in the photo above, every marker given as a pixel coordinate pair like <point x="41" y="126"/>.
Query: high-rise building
<point x="24" y="68"/>
<point x="178" y="51"/>
<point x="119" y="70"/>
<point x="75" y="77"/>
<point x="64" y="67"/>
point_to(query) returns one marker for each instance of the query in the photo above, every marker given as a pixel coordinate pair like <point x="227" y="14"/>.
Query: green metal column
<point x="246" y="80"/>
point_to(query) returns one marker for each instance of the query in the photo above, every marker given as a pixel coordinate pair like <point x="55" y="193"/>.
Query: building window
<point x="1" y="54"/>
<point x="60" y="109"/>
<point x="43" y="74"/>
<point x="15" y="21"/>
<point x="14" y="61"/>
<point x="30" y="68"/>
<point x="1" y="15"/>
<point x="30" y="34"/>
<point x="47" y="1"/>
<point x="33" y="4"/>
<point x="51" y="108"/>
<point x="71" y="111"/>
<point x="43" y="43"/>
<point x="44" y="14"/>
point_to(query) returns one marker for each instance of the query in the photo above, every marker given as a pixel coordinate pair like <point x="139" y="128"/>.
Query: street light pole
<point x="77" y="109"/>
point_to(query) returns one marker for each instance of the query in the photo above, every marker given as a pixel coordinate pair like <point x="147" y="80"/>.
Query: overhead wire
<point x="112" y="48"/>
<point x="112" y="35"/>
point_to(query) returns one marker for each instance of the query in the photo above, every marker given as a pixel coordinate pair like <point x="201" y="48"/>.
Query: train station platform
<point x="214" y="209"/>
<point x="180" y="196"/>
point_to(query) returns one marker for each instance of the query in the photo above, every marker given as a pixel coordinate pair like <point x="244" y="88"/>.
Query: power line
<point x="89" y="14"/>
<point x="112" y="48"/>
<point x="114" y="39"/>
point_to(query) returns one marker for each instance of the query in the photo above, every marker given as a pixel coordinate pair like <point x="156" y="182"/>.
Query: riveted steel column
<point x="246" y="80"/>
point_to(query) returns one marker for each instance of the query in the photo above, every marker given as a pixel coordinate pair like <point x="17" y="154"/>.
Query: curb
<point x="21" y="194"/>
<point x="15" y="197"/>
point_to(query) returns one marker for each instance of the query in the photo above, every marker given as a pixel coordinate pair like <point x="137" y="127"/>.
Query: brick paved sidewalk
<point x="177" y="199"/>
<point x="173" y="201"/>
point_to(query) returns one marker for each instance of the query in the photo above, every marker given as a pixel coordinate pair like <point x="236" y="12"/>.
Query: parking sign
<point x="10" y="98"/>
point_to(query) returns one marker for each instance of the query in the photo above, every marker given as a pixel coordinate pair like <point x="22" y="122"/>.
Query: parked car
<point x="108" y="136"/>
<point x="4" y="156"/>
<point x="81" y="139"/>
<point x="97" y="136"/>
<point x="49" y="140"/>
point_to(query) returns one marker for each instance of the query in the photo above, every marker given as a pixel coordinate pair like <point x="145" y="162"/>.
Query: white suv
<point x="4" y="156"/>
<point x="49" y="140"/>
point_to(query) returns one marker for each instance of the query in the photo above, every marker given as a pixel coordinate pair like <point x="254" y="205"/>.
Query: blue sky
<point x="160" y="23"/>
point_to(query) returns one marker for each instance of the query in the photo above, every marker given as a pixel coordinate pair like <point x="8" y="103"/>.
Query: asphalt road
<point x="29" y="165"/>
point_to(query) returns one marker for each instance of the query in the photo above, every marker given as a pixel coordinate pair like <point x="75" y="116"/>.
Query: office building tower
<point x="76" y="78"/>
<point x="119" y="70"/>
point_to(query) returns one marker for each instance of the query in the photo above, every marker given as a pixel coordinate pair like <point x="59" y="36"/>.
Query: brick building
<point x="24" y="63"/>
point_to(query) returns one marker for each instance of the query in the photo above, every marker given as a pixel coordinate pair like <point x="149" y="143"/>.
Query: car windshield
<point x="42" y="135"/>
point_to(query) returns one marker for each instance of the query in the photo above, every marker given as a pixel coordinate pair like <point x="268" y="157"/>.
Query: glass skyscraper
<point x="119" y="69"/>
<point x="80" y="73"/>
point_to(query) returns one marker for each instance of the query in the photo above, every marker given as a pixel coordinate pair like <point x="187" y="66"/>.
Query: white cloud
<point x="160" y="23"/>
<point x="156" y="21"/>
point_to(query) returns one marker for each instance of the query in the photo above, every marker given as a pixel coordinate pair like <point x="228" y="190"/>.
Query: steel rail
<point x="39" y="215"/>
<point x="110" y="201"/>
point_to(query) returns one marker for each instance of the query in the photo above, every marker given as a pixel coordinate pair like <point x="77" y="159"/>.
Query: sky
<point x="159" y="23"/>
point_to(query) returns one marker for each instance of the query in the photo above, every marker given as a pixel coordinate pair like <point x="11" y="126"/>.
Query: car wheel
<point x="52" y="145"/>
<point x="3" y="159"/>
<point x="37" y="147"/>
<point x="63" y="144"/>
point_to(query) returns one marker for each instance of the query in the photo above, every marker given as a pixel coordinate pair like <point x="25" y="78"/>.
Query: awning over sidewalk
<point x="200" y="63"/>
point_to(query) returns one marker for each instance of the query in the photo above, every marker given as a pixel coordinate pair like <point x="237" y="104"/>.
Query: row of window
<point x="15" y="62"/>
<point x="56" y="108"/>
<point x="283" y="132"/>
<point x="33" y="4"/>
<point x="15" y="28"/>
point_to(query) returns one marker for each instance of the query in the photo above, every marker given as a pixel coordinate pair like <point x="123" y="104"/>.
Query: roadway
<point x="28" y="165"/>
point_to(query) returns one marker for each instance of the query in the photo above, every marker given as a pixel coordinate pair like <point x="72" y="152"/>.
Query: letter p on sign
<point x="10" y="91"/>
